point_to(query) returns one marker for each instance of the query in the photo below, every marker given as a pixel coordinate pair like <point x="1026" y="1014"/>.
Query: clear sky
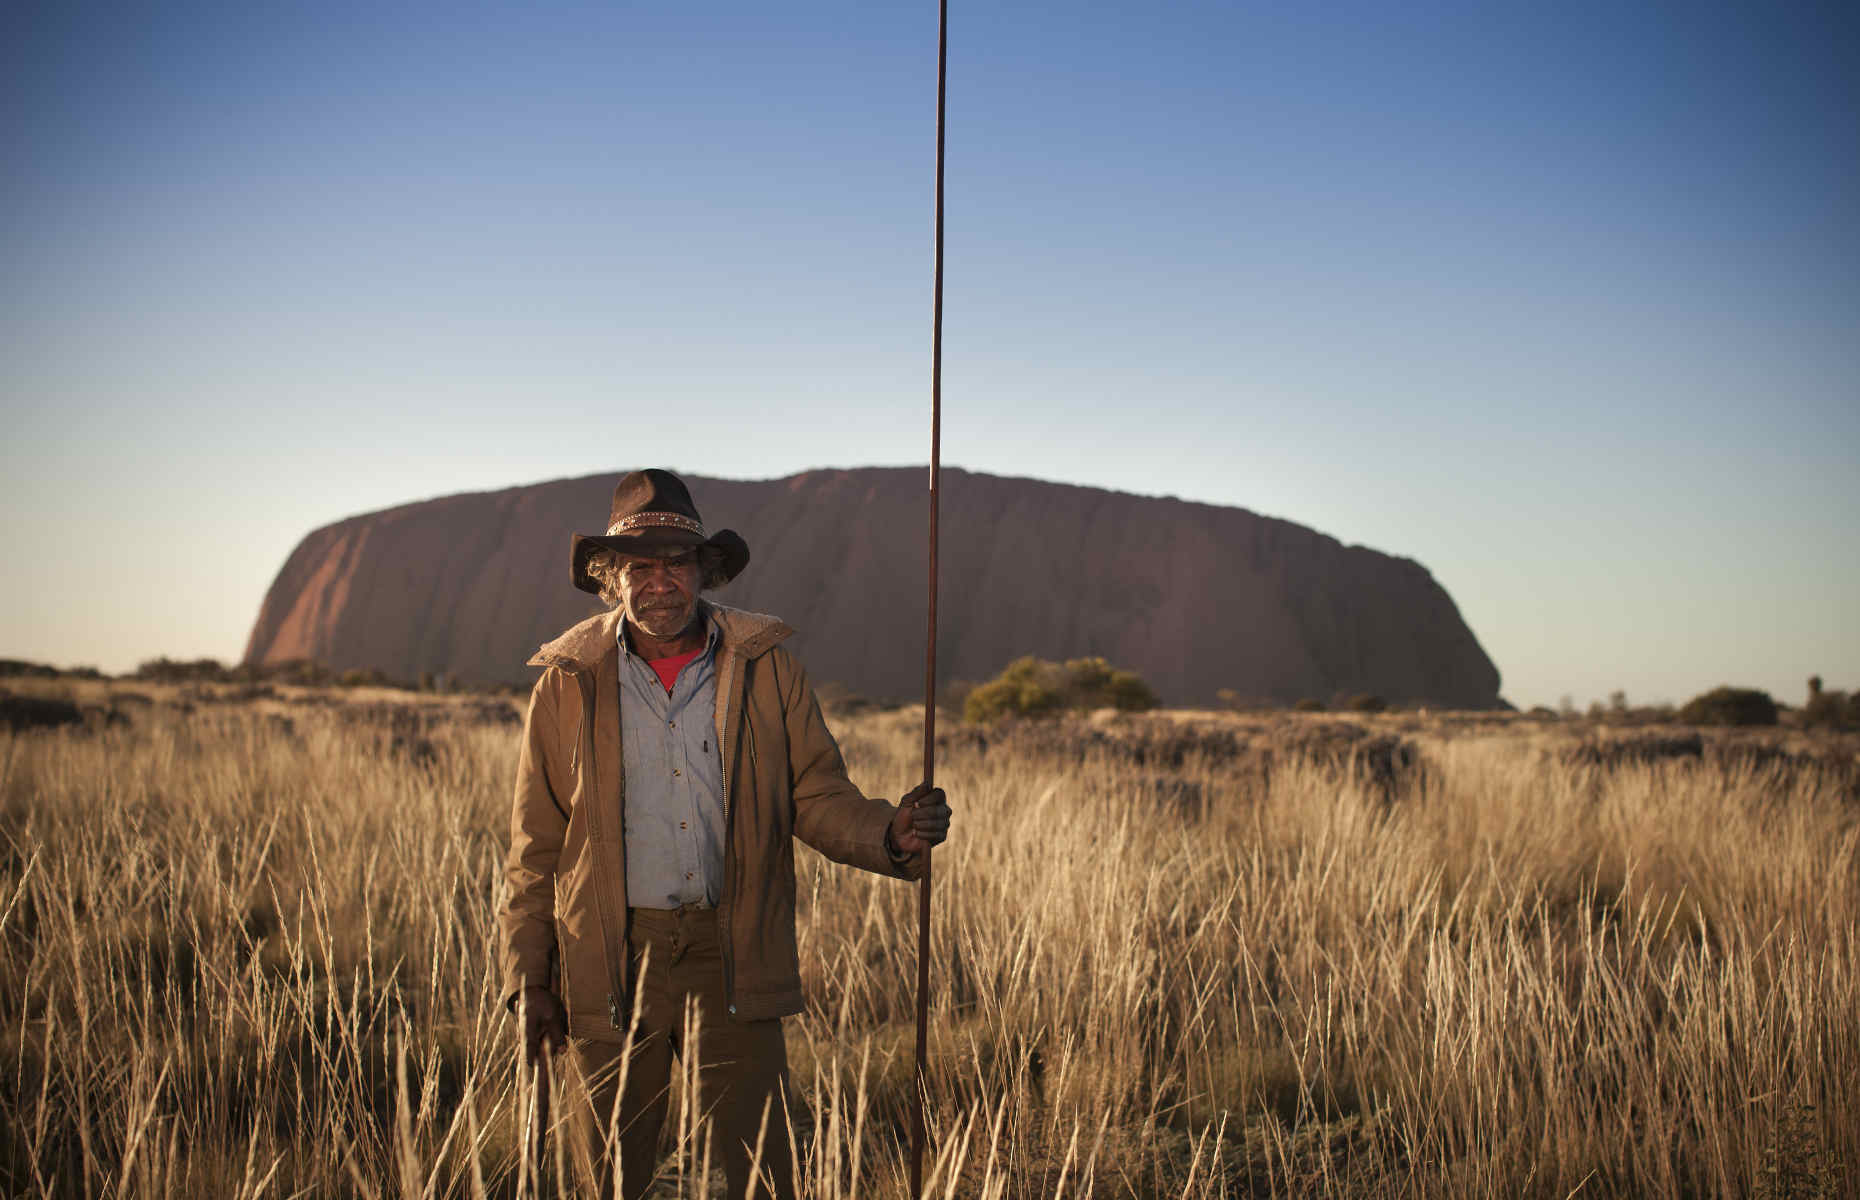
<point x="1561" y="300"/>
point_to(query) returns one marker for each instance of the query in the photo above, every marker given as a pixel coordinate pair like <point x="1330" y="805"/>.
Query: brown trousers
<point x="741" y="1069"/>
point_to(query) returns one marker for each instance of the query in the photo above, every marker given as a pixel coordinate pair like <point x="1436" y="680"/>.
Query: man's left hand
<point x="922" y="820"/>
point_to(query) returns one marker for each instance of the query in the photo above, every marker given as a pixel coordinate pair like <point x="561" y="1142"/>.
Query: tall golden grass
<point x="243" y="954"/>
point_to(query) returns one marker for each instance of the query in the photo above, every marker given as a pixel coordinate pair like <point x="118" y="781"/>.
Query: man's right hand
<point x="543" y="1022"/>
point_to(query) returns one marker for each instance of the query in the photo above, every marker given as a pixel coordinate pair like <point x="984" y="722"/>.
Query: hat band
<point x="665" y="520"/>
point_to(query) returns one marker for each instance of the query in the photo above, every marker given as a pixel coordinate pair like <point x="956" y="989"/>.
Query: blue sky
<point x="1562" y="301"/>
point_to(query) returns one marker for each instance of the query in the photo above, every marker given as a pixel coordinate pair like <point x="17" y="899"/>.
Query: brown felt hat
<point x="653" y="515"/>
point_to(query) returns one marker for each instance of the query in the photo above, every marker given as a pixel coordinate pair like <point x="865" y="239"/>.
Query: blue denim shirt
<point x="674" y="781"/>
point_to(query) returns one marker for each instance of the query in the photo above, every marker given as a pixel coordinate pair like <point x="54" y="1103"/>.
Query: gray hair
<point x="604" y="568"/>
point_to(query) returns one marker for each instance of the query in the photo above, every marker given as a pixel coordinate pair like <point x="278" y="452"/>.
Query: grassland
<point x="247" y="948"/>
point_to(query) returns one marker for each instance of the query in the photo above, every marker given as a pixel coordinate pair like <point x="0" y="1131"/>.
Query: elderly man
<point x="673" y="751"/>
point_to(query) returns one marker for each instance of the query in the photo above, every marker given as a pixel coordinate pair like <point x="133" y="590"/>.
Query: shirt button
<point x="687" y="874"/>
<point x="673" y="724"/>
<point x="675" y="773"/>
<point x="682" y="825"/>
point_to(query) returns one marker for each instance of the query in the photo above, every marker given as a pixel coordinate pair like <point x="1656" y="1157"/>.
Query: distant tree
<point x="1364" y="703"/>
<point x="10" y="667"/>
<point x="1730" y="706"/>
<point x="1309" y="704"/>
<point x="1617" y="703"/>
<point x="168" y="670"/>
<point x="1831" y="709"/>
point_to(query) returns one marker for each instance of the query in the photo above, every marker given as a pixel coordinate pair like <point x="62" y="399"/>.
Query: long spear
<point x="921" y="1077"/>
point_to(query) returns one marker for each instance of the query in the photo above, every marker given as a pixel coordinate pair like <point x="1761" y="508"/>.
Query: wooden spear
<point x="920" y="1078"/>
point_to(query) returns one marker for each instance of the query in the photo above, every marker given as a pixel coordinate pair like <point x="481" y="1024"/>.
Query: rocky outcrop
<point x="1194" y="597"/>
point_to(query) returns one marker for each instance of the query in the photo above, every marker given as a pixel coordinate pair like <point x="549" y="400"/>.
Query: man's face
<point x="660" y="595"/>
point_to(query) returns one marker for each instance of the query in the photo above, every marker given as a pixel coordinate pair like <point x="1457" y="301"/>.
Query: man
<point x="673" y="751"/>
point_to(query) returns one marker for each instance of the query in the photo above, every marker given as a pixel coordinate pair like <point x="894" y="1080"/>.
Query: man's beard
<point x="654" y="622"/>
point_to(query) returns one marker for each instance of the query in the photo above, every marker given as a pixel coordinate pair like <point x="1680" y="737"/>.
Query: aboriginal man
<point x="673" y="751"/>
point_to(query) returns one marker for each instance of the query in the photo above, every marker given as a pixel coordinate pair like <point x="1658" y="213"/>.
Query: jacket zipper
<point x="585" y="682"/>
<point x="727" y="899"/>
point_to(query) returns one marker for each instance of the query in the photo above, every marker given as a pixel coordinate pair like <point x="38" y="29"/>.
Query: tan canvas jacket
<point x="565" y="918"/>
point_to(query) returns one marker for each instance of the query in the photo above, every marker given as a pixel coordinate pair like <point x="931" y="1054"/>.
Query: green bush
<point x="1309" y="704"/>
<point x="1364" y="703"/>
<point x="1033" y="687"/>
<point x="1730" y="706"/>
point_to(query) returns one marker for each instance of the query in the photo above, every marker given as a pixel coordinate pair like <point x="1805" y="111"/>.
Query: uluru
<point x="1196" y="598"/>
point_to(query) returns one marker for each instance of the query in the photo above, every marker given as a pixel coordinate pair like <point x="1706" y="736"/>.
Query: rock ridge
<point x="1195" y="597"/>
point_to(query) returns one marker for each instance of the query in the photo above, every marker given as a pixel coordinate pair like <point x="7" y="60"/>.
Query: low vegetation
<point x="1033" y="687"/>
<point x="1828" y="709"/>
<point x="298" y="672"/>
<point x="1730" y="706"/>
<point x="246" y="948"/>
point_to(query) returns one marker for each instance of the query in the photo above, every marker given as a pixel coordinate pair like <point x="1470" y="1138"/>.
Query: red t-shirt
<point x="667" y="668"/>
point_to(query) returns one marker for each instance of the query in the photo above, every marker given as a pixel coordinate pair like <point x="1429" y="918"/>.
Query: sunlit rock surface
<point x="1194" y="597"/>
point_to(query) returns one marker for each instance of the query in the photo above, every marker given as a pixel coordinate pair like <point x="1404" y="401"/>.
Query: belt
<point x="696" y="906"/>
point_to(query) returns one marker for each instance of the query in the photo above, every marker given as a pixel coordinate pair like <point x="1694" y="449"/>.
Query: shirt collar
<point x="712" y="632"/>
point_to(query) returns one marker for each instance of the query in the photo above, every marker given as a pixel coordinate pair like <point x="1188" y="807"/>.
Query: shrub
<point x="300" y="671"/>
<point x="11" y="667"/>
<point x="1730" y="706"/>
<point x="1032" y="687"/>
<point x="1831" y="710"/>
<point x="168" y="670"/>
<point x="1308" y="704"/>
<point x="1620" y="751"/>
<point x="1364" y="703"/>
<point x="38" y="712"/>
<point x="364" y="677"/>
<point x="1027" y="687"/>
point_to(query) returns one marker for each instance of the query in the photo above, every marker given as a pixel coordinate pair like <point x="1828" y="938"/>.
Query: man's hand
<point x="922" y="820"/>
<point x="543" y="1022"/>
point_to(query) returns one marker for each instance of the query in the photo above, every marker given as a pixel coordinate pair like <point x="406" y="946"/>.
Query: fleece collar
<point x="584" y="645"/>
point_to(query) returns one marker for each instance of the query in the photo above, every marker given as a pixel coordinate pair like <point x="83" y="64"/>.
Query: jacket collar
<point x="583" y="646"/>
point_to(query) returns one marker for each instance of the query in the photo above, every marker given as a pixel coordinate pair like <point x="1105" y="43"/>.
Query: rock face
<point x="1193" y="597"/>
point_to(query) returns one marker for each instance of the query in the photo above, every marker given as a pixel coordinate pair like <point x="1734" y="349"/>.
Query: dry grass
<point x="247" y="949"/>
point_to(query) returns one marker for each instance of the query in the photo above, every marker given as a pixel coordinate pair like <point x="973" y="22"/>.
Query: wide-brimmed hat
<point x="653" y="515"/>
